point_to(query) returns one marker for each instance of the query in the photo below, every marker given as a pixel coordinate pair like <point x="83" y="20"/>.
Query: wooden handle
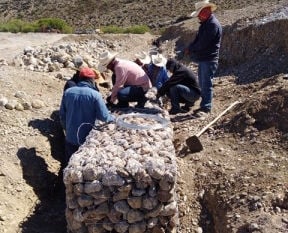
<point x="220" y="115"/>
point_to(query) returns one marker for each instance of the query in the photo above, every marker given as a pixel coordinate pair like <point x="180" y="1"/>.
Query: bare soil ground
<point x="238" y="183"/>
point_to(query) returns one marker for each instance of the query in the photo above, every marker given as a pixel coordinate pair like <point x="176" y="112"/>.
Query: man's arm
<point x="119" y="83"/>
<point x="103" y="113"/>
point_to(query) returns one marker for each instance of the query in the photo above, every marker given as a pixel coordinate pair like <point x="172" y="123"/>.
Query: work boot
<point x="174" y="111"/>
<point x="141" y="103"/>
<point x="202" y="113"/>
<point x="187" y="107"/>
<point x="122" y="105"/>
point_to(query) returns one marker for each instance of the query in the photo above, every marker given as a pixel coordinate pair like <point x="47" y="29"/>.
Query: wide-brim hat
<point x="105" y="58"/>
<point x="143" y="57"/>
<point x="159" y="60"/>
<point x="201" y="5"/>
<point x="77" y="61"/>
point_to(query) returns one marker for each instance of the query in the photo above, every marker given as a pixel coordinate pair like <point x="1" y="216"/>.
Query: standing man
<point x="204" y="50"/>
<point x="81" y="106"/>
<point x="131" y="81"/>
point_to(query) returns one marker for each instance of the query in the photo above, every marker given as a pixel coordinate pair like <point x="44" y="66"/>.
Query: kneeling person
<point x="181" y="87"/>
<point x="131" y="81"/>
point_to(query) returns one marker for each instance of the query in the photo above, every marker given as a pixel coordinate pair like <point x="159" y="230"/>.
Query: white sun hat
<point x="143" y="57"/>
<point x="200" y="5"/>
<point x="159" y="60"/>
<point x="105" y="58"/>
<point x="77" y="61"/>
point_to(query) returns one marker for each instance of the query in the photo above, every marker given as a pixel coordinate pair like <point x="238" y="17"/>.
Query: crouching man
<point x="181" y="87"/>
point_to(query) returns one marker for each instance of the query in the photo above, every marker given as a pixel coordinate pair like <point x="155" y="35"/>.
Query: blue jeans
<point x="206" y="72"/>
<point x="131" y="94"/>
<point x="182" y="94"/>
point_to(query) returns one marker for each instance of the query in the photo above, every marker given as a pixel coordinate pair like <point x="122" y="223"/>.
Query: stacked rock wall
<point x="123" y="180"/>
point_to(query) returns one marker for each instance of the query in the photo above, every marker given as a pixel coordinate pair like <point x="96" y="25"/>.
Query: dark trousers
<point x="131" y="94"/>
<point x="69" y="150"/>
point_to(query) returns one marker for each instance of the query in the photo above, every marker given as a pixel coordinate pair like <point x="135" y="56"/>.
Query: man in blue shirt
<point x="81" y="106"/>
<point x="204" y="50"/>
<point x="157" y="70"/>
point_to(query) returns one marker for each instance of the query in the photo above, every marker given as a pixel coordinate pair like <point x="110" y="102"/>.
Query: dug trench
<point x="241" y="180"/>
<point x="238" y="183"/>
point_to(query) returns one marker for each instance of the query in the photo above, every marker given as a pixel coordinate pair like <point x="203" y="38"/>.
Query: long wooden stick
<point x="220" y="115"/>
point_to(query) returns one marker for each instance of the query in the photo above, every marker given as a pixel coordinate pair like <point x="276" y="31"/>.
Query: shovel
<point x="194" y="143"/>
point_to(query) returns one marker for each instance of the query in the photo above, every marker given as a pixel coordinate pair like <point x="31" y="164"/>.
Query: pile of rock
<point x="123" y="180"/>
<point x="54" y="58"/>
<point x="20" y="103"/>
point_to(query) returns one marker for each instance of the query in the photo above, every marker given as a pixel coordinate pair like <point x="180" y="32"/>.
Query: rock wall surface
<point x="123" y="180"/>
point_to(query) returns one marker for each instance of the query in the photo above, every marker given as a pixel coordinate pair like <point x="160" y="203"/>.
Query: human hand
<point x="109" y="103"/>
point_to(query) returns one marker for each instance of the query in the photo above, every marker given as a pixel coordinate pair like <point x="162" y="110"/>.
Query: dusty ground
<point x="238" y="183"/>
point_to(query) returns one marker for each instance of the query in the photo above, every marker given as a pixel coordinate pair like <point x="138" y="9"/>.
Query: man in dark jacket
<point x="204" y="50"/>
<point x="81" y="106"/>
<point x="181" y="87"/>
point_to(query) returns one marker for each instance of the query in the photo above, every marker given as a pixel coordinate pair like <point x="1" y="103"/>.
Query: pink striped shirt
<point x="128" y="73"/>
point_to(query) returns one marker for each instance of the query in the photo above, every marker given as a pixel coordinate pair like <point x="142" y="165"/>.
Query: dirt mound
<point x="257" y="50"/>
<point x="264" y="109"/>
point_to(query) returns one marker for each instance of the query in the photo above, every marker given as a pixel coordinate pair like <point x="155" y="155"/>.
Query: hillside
<point x="237" y="184"/>
<point x="94" y="14"/>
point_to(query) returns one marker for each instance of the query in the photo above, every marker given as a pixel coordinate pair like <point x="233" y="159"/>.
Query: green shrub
<point x="54" y="23"/>
<point x="29" y="28"/>
<point x="137" y="29"/>
<point x="12" y="26"/>
<point x="4" y="28"/>
<point x="41" y="25"/>
<point x="112" y="29"/>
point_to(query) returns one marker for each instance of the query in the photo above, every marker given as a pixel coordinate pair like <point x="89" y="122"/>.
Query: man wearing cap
<point x="131" y="81"/>
<point x="81" y="106"/>
<point x="204" y="50"/>
<point x="78" y="62"/>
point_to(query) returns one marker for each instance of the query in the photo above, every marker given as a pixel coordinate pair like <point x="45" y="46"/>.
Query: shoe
<point x="176" y="111"/>
<point x="139" y="106"/>
<point x="202" y="114"/>
<point x="121" y="105"/>
<point x="141" y="103"/>
<point x="186" y="108"/>
<point x="206" y="110"/>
